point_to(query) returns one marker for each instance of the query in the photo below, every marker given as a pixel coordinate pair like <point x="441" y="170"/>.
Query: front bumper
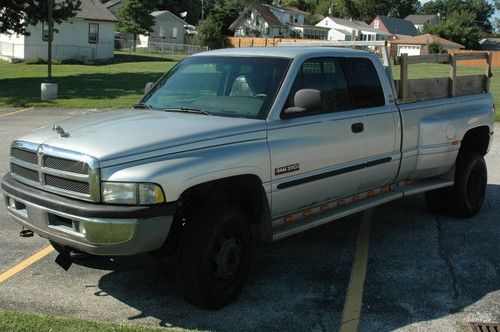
<point x="96" y="229"/>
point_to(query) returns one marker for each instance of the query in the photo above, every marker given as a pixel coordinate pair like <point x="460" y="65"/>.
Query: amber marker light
<point x="409" y="182"/>
<point x="386" y="189"/>
<point x="325" y="207"/>
<point x="357" y="198"/>
<point x="289" y="219"/>
<point x="308" y="213"/>
<point x="371" y="194"/>
<point x="342" y="202"/>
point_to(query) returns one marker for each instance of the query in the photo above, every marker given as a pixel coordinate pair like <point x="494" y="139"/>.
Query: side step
<point x="318" y="215"/>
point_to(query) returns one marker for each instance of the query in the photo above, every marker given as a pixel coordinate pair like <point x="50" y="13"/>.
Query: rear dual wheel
<point x="465" y="198"/>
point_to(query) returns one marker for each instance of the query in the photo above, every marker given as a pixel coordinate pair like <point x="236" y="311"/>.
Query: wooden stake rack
<point x="412" y="90"/>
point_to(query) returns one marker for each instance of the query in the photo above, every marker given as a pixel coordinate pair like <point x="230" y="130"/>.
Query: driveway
<point x="421" y="271"/>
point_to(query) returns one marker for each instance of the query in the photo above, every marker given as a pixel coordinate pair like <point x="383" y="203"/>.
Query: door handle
<point x="357" y="127"/>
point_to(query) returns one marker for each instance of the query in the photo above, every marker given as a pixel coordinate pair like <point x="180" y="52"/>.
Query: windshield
<point x="242" y="87"/>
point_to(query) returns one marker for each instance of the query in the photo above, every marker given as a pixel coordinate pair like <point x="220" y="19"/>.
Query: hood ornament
<point x="58" y="129"/>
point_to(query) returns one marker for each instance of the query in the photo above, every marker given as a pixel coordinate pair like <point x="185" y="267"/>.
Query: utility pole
<point x="202" y="9"/>
<point x="51" y="28"/>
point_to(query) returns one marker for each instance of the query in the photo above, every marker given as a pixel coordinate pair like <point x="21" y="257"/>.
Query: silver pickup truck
<point x="239" y="145"/>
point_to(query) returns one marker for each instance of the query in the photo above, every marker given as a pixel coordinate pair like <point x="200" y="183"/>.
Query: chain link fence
<point x="158" y="47"/>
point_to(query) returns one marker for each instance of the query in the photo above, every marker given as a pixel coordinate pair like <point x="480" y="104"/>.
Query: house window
<point x="268" y="31"/>
<point x="93" y="33"/>
<point x="257" y="21"/>
<point x="162" y="32"/>
<point x="45" y="31"/>
<point x="291" y="17"/>
<point x="174" y="32"/>
<point x="375" y="24"/>
<point x="296" y="18"/>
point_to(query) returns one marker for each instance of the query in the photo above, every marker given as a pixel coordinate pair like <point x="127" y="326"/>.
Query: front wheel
<point x="214" y="256"/>
<point x="467" y="195"/>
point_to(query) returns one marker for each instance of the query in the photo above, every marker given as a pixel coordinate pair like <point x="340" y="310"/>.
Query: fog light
<point x="12" y="203"/>
<point x="81" y="228"/>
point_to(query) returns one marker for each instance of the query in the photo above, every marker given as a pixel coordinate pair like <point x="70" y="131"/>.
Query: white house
<point x="341" y="29"/>
<point x="262" y="20"/>
<point x="88" y="35"/>
<point x="168" y="29"/>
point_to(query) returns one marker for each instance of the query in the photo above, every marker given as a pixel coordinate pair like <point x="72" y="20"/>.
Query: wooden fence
<point x="264" y="42"/>
<point x="495" y="60"/>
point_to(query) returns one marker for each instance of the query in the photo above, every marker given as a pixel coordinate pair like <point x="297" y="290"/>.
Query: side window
<point x="93" y="33"/>
<point x="364" y="82"/>
<point x="327" y="76"/>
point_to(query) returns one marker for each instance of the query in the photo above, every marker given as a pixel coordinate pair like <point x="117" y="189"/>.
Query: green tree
<point x="210" y="33"/>
<point x="460" y="27"/>
<point x="482" y="9"/>
<point x="16" y="15"/>
<point x="135" y="17"/>
<point x="436" y="48"/>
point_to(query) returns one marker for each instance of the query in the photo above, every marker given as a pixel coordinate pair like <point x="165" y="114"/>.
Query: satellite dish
<point x="184" y="14"/>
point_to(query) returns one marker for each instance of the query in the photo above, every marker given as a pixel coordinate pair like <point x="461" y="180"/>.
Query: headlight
<point x="131" y="193"/>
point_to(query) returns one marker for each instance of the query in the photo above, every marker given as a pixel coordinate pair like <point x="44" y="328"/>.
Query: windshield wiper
<point x="142" y="105"/>
<point x="186" y="110"/>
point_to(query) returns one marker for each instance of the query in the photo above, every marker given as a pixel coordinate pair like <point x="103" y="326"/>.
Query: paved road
<point x="423" y="271"/>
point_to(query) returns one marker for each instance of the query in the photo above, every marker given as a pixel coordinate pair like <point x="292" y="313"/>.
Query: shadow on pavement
<point x="421" y="267"/>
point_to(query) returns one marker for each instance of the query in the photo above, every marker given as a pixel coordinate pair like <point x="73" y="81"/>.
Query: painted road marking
<point x="24" y="264"/>
<point x="354" y="296"/>
<point x="15" y="112"/>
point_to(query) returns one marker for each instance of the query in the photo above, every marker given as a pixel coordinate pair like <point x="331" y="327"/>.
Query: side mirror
<point x="305" y="100"/>
<point x="148" y="87"/>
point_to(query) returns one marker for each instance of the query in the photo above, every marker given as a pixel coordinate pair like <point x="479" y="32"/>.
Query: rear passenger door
<point x="318" y="155"/>
<point x="381" y="122"/>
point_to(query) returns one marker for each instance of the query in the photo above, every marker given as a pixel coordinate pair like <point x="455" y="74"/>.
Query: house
<point x="270" y="21"/>
<point x="420" y="21"/>
<point x="88" y="35"/>
<point x="419" y="45"/>
<point x="341" y="29"/>
<point x="394" y="26"/>
<point x="168" y="29"/>
<point x="489" y="44"/>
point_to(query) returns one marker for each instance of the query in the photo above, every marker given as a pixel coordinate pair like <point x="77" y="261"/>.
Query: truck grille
<point x="60" y="171"/>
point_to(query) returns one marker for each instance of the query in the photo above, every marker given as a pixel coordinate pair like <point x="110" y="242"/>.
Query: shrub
<point x="35" y="61"/>
<point x="436" y="48"/>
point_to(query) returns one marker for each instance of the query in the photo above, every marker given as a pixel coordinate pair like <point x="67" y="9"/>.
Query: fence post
<point x="489" y="59"/>
<point x="453" y="76"/>
<point x="403" y="87"/>
<point x="239" y="42"/>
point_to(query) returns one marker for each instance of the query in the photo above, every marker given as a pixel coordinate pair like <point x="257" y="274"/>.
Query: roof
<point x="419" y="19"/>
<point x="426" y="39"/>
<point x="287" y="8"/>
<point x="157" y="13"/>
<point x="285" y="52"/>
<point x="264" y="11"/>
<point x="490" y="44"/>
<point x="94" y="10"/>
<point x="111" y="3"/>
<point x="353" y="24"/>
<point x="398" y="25"/>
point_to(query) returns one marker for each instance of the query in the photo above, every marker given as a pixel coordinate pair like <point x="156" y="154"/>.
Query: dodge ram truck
<point x="235" y="146"/>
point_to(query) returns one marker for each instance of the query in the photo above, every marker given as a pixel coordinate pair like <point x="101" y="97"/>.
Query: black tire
<point x="437" y="200"/>
<point x="214" y="256"/>
<point x="471" y="176"/>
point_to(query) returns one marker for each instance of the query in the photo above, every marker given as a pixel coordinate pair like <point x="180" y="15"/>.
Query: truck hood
<point x="126" y="135"/>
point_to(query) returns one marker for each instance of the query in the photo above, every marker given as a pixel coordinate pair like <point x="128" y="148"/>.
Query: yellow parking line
<point x="354" y="296"/>
<point x="24" y="264"/>
<point x="15" y="112"/>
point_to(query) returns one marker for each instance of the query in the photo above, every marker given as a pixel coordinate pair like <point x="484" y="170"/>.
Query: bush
<point x="436" y="48"/>
<point x="35" y="61"/>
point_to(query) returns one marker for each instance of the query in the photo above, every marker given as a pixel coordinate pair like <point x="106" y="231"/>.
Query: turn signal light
<point x="289" y="219"/>
<point x="308" y="213"/>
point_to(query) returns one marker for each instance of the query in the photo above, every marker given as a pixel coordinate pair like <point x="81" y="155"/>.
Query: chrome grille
<point x="60" y="171"/>
<point x="66" y="165"/>
<point x="24" y="172"/>
<point x="67" y="184"/>
<point x="24" y="155"/>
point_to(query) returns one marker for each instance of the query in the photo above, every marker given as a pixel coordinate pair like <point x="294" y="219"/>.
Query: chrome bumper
<point x="93" y="235"/>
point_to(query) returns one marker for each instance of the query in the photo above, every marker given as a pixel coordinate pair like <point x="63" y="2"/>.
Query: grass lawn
<point x="118" y="84"/>
<point x="121" y="83"/>
<point x="22" y="322"/>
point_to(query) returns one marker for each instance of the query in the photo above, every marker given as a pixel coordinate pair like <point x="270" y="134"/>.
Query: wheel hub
<point x="227" y="258"/>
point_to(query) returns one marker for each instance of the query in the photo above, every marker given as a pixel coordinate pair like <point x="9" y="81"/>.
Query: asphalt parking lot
<point x="423" y="272"/>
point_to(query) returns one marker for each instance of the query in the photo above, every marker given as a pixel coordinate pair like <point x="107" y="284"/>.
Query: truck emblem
<point x="58" y="129"/>
<point x="286" y="169"/>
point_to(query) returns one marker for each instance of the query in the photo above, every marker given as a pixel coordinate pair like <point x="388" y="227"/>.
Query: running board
<point x="318" y="215"/>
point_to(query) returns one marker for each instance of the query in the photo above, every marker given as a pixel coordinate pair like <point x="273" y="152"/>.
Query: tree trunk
<point x="135" y="42"/>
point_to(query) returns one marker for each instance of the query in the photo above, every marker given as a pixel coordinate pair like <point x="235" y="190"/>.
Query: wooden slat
<point x="431" y="58"/>
<point x="469" y="84"/>
<point x="427" y="88"/>
<point x="470" y="56"/>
